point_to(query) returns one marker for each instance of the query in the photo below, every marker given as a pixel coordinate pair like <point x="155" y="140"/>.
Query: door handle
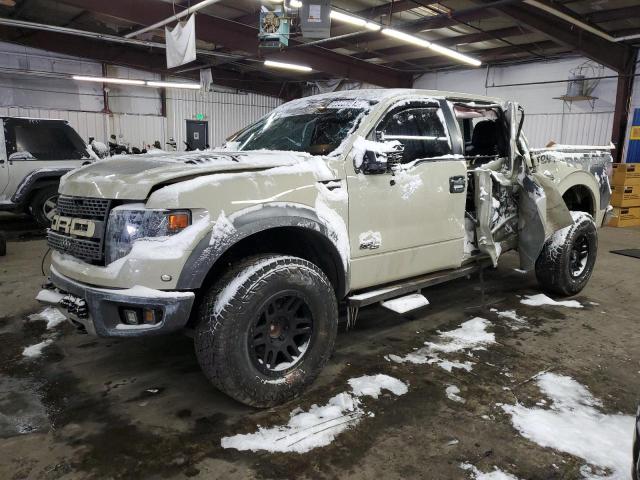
<point x="1" y="161"/>
<point x="457" y="184"/>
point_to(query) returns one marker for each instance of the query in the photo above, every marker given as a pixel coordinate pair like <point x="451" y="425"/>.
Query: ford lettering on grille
<point x="78" y="228"/>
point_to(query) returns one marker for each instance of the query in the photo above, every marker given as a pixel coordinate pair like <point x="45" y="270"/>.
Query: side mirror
<point x="21" y="156"/>
<point x="383" y="159"/>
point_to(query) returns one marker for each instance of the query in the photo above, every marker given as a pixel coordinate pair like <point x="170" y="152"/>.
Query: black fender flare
<point x="204" y="256"/>
<point x="48" y="175"/>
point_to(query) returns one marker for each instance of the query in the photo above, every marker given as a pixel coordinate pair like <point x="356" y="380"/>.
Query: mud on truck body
<point x="344" y="199"/>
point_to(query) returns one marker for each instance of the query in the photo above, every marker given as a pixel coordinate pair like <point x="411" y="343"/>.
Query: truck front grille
<point x="88" y="249"/>
<point x="79" y="207"/>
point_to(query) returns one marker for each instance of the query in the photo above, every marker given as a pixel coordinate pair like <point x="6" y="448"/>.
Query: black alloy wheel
<point x="281" y="333"/>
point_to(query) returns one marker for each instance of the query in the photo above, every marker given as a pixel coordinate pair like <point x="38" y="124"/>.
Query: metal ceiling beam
<point x="132" y="57"/>
<point x="613" y="55"/>
<point x="626" y="32"/>
<point x="447" y="42"/>
<point x="238" y="37"/>
<point x="615" y="14"/>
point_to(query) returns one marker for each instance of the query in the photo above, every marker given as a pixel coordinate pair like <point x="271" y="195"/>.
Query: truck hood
<point x="132" y="177"/>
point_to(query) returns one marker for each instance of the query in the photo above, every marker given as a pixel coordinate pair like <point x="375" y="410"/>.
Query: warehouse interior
<point x="490" y="373"/>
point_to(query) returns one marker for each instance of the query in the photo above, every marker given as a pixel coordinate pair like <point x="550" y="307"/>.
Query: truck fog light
<point x="130" y="317"/>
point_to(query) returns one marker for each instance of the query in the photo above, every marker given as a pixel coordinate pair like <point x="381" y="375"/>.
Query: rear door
<point x="40" y="144"/>
<point x="409" y="222"/>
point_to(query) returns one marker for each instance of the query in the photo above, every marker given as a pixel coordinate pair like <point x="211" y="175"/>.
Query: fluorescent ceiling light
<point x="405" y="37"/>
<point x="193" y="86"/>
<point x="295" y="4"/>
<point x="287" y="66"/>
<point x="360" y="22"/>
<point x="420" y="42"/>
<point x="455" y="55"/>
<point x="123" y="81"/>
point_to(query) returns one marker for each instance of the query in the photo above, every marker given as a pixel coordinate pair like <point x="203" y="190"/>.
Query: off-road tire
<point x="40" y="204"/>
<point x="555" y="267"/>
<point x="229" y="312"/>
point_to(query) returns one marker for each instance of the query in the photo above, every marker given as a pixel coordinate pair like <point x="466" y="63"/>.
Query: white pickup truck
<point x="350" y="198"/>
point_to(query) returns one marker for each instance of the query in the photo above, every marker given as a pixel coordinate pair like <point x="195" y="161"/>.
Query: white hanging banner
<point x="181" y="43"/>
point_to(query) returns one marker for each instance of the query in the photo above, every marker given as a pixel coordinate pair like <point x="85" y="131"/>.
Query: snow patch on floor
<point x="372" y="385"/>
<point x="452" y="394"/>
<point x="320" y="425"/>
<point x="496" y="474"/>
<point x="34" y="351"/>
<point x="472" y="335"/>
<point x="541" y="299"/>
<point x="51" y="315"/>
<point x="574" y="424"/>
<point x="514" y="321"/>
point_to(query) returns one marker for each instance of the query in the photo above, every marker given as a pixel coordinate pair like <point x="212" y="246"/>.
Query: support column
<point x="622" y="109"/>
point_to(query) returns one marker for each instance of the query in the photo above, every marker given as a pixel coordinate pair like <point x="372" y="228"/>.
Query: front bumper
<point x="102" y="316"/>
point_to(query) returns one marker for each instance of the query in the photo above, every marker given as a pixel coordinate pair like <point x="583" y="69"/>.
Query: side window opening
<point x="484" y="133"/>
<point x="420" y="129"/>
<point x="44" y="139"/>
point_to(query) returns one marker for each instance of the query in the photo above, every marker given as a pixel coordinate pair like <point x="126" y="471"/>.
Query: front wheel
<point x="44" y="205"/>
<point x="266" y="329"/>
<point x="568" y="257"/>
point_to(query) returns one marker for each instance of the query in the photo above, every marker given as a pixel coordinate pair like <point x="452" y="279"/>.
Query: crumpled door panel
<point x="542" y="212"/>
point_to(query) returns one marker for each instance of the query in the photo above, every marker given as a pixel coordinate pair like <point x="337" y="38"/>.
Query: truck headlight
<point x="127" y="224"/>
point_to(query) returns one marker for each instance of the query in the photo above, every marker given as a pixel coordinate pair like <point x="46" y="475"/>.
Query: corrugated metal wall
<point x="225" y="113"/>
<point x="139" y="130"/>
<point x="569" y="128"/>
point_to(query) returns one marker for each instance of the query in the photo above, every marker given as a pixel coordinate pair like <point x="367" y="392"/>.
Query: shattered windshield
<point x="317" y="128"/>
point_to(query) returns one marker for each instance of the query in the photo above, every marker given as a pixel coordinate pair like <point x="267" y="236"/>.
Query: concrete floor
<point x="83" y="410"/>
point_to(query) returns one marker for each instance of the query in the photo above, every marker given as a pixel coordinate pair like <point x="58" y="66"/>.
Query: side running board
<point x="406" y="287"/>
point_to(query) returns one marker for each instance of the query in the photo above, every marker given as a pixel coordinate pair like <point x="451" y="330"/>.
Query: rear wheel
<point x="267" y="328"/>
<point x="568" y="257"/>
<point x="44" y="205"/>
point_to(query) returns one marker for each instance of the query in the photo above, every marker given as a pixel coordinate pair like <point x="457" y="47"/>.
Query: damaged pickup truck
<point x="340" y="200"/>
